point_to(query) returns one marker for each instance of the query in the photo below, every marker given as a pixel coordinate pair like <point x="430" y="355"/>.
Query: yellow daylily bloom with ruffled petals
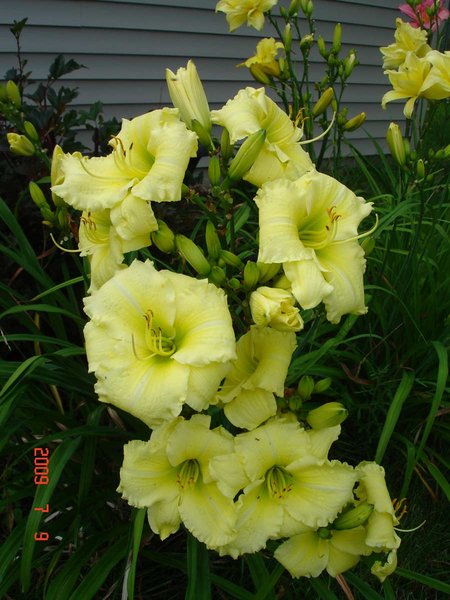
<point x="240" y="11"/>
<point x="285" y="482"/>
<point x="310" y="227"/>
<point x="372" y="488"/>
<point x="149" y="159"/>
<point x="259" y="372"/>
<point x="310" y="551"/>
<point x="265" y="57"/>
<point x="437" y="83"/>
<point x="407" y="82"/>
<point x="170" y="476"/>
<point x="157" y="340"/>
<point x="407" y="39"/>
<point x="281" y="156"/>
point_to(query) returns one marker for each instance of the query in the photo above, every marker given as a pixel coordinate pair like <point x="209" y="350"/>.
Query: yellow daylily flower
<point x="259" y="372"/>
<point x="383" y="570"/>
<point x="273" y="307"/>
<point x="407" y="82"/>
<point x="281" y="155"/>
<point x="265" y="57"/>
<point x="310" y="551"/>
<point x="284" y="485"/>
<point x="372" y="488"/>
<point x="407" y="39"/>
<point x="437" y="83"/>
<point x="170" y="476"/>
<point x="187" y="94"/>
<point x="240" y="11"/>
<point x="149" y="159"/>
<point x="158" y="340"/>
<point x="310" y="227"/>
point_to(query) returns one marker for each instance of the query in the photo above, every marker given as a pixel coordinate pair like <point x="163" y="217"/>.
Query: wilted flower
<point x="170" y="476"/>
<point x="310" y="227"/>
<point x="263" y="357"/>
<point x="157" y="340"/>
<point x="281" y="156"/>
<point x="265" y="57"/>
<point x="420" y="15"/>
<point x="240" y="11"/>
<point x="407" y="39"/>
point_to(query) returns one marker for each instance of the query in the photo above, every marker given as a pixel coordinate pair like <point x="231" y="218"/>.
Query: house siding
<point x="126" y="47"/>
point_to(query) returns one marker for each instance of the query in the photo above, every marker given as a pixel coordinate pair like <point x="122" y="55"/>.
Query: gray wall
<point x="126" y="46"/>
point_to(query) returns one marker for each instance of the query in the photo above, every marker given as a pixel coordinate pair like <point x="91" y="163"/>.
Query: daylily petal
<point x="322" y="439"/>
<point x="309" y="285"/>
<point x="339" y="561"/>
<point x="164" y="517"/>
<point x="133" y="219"/>
<point x="351" y="541"/>
<point x="250" y="408"/>
<point x="203" y="384"/>
<point x="304" y="555"/>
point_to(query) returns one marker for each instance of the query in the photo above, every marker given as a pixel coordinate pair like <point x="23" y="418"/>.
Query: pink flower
<point x="420" y="16"/>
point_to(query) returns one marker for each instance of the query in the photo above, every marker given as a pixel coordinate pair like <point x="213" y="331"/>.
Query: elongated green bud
<point x="309" y="8"/>
<point x="294" y="7"/>
<point x="354" y="517"/>
<point x="247" y="154"/>
<point x="225" y="146"/>
<point x="305" y="387"/>
<point x="217" y="275"/>
<point x="327" y="415"/>
<point x="212" y="241"/>
<point x="258" y="75"/>
<point x="251" y="275"/>
<point x="202" y="133"/>
<point x="420" y="169"/>
<point x="396" y="144"/>
<point x="214" y="170"/>
<point x="192" y="254"/>
<point x="322" y="385"/>
<point x="287" y="38"/>
<point x="306" y="42"/>
<point x="19" y="144"/>
<point x="13" y="93"/>
<point x="323" y="102"/>
<point x="267" y="271"/>
<point x="337" y="38"/>
<point x="31" y="132"/>
<point x="322" y="47"/>
<point x="164" y="238"/>
<point x="39" y="199"/>
<point x="355" y="122"/>
<point x="350" y="63"/>
<point x="231" y="259"/>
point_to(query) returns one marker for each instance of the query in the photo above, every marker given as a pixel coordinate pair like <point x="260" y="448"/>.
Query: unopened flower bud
<point x="323" y="102"/>
<point x="327" y="415"/>
<point x="217" y="275"/>
<point x="356" y="122"/>
<point x="322" y="385"/>
<point x="308" y="8"/>
<point x="31" y="132"/>
<point x="350" y="63"/>
<point x="267" y="271"/>
<point x="294" y="7"/>
<point x="163" y="237"/>
<point x="337" y="38"/>
<point x="13" y="93"/>
<point x="294" y="403"/>
<point x="305" y="388"/>
<point x="420" y="169"/>
<point x="20" y="144"/>
<point x="214" y="170"/>
<point x="247" y="154"/>
<point x="287" y="38"/>
<point x="306" y="42"/>
<point x="202" y="133"/>
<point x="354" y="517"/>
<point x="396" y="144"/>
<point x="192" y="254"/>
<point x="212" y="241"/>
<point x="39" y="199"/>
<point x="272" y="307"/>
<point x="259" y="75"/>
<point x="234" y="283"/>
<point x="225" y="146"/>
<point x="368" y="244"/>
<point x="231" y="259"/>
<point x="322" y="47"/>
<point x="251" y="275"/>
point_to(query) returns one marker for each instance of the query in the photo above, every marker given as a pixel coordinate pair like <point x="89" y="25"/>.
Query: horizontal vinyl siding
<point x="126" y="47"/>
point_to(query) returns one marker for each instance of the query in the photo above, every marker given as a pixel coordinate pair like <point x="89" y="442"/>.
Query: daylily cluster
<point x="414" y="69"/>
<point x="177" y="352"/>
